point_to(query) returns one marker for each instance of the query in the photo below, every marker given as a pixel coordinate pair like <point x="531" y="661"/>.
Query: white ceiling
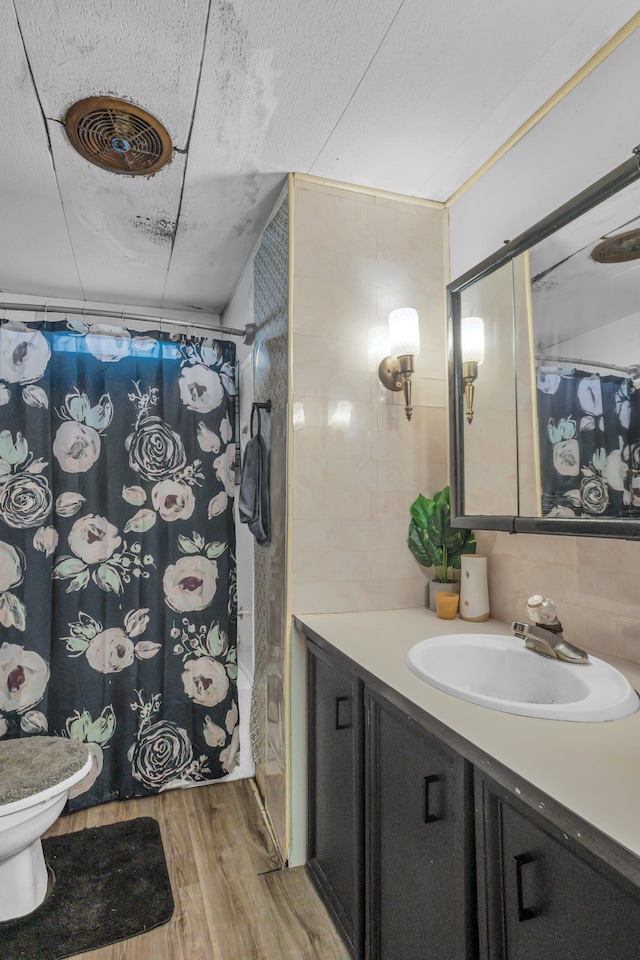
<point x="410" y="96"/>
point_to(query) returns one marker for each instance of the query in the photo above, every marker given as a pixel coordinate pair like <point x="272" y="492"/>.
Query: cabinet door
<point x="544" y="900"/>
<point x="421" y="902"/>
<point x="335" y="854"/>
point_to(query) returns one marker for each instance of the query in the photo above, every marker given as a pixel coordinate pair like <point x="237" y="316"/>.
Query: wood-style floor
<point x="232" y="902"/>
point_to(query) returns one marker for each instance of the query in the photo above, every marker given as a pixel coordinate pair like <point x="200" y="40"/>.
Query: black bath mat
<point x="111" y="883"/>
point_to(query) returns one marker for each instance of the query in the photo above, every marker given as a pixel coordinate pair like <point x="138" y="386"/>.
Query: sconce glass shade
<point x="472" y="339"/>
<point x="404" y="332"/>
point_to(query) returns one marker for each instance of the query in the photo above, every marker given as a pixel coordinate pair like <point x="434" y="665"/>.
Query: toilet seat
<point x="34" y="769"/>
<point x="36" y="774"/>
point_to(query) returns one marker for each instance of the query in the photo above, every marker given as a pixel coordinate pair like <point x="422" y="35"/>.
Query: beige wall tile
<point x="316" y="566"/>
<point x="333" y="191"/>
<point x="353" y="535"/>
<point x="400" y="594"/>
<point x="334" y="597"/>
<point x="629" y="638"/>
<point x="403" y="237"/>
<point x="398" y="564"/>
<point x="357" y="470"/>
<point x="330" y="353"/>
<point x="592" y="581"/>
<point x="311" y="380"/>
<point x="340" y="223"/>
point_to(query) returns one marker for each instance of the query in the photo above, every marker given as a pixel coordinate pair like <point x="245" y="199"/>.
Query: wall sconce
<point x="404" y="345"/>
<point x="472" y="343"/>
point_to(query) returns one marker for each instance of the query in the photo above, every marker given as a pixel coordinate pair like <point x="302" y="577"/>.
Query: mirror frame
<point x="627" y="173"/>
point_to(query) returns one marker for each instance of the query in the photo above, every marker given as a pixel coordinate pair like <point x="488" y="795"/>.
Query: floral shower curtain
<point x="117" y="553"/>
<point x="589" y="432"/>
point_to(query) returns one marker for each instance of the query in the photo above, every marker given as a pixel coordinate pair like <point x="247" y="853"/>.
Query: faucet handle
<point x="542" y="610"/>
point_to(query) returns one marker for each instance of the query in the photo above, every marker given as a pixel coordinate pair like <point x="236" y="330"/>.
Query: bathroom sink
<point x="500" y="673"/>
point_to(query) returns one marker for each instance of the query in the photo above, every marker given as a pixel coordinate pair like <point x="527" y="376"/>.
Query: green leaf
<point x="76" y="645"/>
<point x="86" y="627"/>
<point x="432" y="539"/>
<point x="107" y="579"/>
<point x="78" y="582"/>
<point x="79" y="326"/>
<point x="215" y="549"/>
<point x="423" y="549"/>
<point x="232" y="671"/>
<point x="67" y="567"/>
<point x="216" y="641"/>
<point x="438" y="525"/>
<point x="232" y="656"/>
<point x="468" y="547"/>
<point x="199" y="540"/>
<point x="456" y="538"/>
<point x="421" y="509"/>
<point x="78" y="725"/>
<point x="187" y="546"/>
<point x="102" y="729"/>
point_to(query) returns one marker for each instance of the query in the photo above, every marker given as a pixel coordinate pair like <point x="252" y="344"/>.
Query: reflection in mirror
<point x="490" y="436"/>
<point x="585" y="301"/>
<point x="545" y="432"/>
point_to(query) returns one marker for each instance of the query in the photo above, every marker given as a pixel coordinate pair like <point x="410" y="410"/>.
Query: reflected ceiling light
<point x="472" y="343"/>
<point x="404" y="346"/>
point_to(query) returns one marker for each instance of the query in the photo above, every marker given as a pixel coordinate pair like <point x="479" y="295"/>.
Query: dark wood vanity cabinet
<point x="419" y="841"/>
<point x="336" y="788"/>
<point x="539" y="898"/>
<point x="422" y="856"/>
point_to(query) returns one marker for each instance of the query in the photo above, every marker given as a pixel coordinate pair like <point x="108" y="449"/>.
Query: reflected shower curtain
<point x="589" y="433"/>
<point x="117" y="553"/>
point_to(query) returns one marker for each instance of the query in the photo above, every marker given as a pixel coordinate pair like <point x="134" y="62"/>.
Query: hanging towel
<point x="253" y="497"/>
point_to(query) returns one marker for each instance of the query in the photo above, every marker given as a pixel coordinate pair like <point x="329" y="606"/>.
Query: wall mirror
<point x="544" y="373"/>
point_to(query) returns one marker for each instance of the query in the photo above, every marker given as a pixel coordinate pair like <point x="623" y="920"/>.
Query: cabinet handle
<point x="348" y="723"/>
<point x="524" y="913"/>
<point x="428" y="816"/>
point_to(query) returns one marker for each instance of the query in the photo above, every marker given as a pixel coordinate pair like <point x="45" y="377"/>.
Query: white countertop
<point x="591" y="768"/>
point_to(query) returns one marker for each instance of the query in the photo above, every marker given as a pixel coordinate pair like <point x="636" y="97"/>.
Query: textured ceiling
<point x="404" y="95"/>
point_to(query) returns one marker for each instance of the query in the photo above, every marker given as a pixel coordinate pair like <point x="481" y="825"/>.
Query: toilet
<point x="36" y="774"/>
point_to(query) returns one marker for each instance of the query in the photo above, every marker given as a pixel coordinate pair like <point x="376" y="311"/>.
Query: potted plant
<point x="435" y="543"/>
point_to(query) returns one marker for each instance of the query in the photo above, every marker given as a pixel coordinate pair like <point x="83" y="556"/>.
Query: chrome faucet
<point x="544" y="634"/>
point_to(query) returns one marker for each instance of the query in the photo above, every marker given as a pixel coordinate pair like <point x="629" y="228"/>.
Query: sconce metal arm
<point x="469" y="375"/>
<point x="395" y="374"/>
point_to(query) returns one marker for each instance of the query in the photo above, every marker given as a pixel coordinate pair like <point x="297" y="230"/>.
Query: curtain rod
<point x="630" y="371"/>
<point x="247" y="333"/>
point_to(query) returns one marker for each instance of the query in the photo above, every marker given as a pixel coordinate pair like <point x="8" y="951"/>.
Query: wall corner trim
<point x="580" y="75"/>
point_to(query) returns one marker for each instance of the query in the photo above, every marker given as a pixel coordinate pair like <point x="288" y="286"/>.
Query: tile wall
<point x="357" y="462"/>
<point x="593" y="581"/>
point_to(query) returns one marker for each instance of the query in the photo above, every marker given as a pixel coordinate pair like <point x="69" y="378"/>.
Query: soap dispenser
<point x="474" y="588"/>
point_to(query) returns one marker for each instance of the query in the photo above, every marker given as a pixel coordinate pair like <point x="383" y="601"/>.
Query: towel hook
<point x="256" y="407"/>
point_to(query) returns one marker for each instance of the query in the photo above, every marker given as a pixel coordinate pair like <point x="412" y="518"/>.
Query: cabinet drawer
<point x="335" y="846"/>
<point x="544" y="900"/>
<point x="421" y="900"/>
